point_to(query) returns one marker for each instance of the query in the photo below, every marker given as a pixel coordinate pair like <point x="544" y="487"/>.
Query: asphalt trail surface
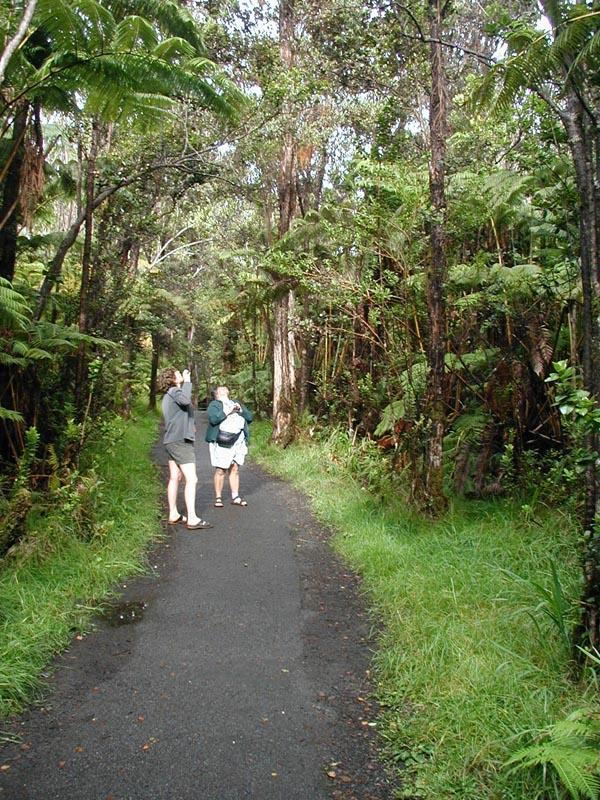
<point x="237" y="668"/>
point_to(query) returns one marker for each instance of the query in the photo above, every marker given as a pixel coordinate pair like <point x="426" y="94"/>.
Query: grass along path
<point x="76" y="553"/>
<point x="469" y="666"/>
<point x="468" y="659"/>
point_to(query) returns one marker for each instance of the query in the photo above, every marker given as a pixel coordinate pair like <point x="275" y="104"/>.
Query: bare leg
<point x="189" y="491"/>
<point x="173" y="490"/>
<point x="234" y="480"/>
<point x="218" y="480"/>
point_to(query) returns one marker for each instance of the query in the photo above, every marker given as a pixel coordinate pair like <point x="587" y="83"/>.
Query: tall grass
<point x="51" y="583"/>
<point x="474" y="657"/>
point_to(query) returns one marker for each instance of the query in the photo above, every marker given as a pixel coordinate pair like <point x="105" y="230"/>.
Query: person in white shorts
<point x="226" y="418"/>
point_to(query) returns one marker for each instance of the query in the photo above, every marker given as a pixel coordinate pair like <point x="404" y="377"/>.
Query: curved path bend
<point x="238" y="668"/>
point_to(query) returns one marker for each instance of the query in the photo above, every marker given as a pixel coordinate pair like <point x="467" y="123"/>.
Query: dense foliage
<point x="363" y="215"/>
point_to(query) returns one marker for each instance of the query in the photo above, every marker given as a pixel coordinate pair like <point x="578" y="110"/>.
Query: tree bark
<point x="10" y="210"/>
<point x="55" y="266"/>
<point x="156" y="350"/>
<point x="81" y="371"/>
<point x="284" y="378"/>
<point x="582" y="142"/>
<point x="581" y="120"/>
<point x="436" y="270"/>
<point x="13" y="44"/>
<point x="283" y="370"/>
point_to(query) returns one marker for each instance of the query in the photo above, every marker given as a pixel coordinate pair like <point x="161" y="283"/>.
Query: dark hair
<point x="166" y="379"/>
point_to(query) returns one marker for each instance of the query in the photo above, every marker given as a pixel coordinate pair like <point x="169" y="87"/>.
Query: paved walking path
<point x="237" y="669"/>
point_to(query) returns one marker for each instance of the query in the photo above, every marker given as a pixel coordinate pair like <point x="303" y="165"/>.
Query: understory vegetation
<point x="473" y="662"/>
<point x="94" y="532"/>
<point x="377" y="222"/>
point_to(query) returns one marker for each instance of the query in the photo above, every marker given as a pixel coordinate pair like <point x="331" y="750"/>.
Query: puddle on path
<point x="124" y="613"/>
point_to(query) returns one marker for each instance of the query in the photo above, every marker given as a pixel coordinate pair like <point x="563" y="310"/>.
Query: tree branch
<point x="15" y="42"/>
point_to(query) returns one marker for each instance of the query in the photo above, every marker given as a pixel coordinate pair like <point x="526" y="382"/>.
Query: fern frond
<point x="576" y="33"/>
<point x="132" y="32"/>
<point x="50" y="337"/>
<point x="172" y="18"/>
<point x="571" y="748"/>
<point x="526" y="67"/>
<point x="11" y="360"/>
<point x="504" y="188"/>
<point x="390" y="415"/>
<point x="8" y="414"/>
<point x="14" y="310"/>
<point x="25" y="353"/>
<point x="83" y="26"/>
<point x="175" y="49"/>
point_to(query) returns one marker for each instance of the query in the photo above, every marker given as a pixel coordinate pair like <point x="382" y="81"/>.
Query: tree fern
<point x="172" y="18"/>
<point x="14" y="311"/>
<point x="80" y="27"/>
<point x="119" y="60"/>
<point x="135" y="30"/>
<point x="577" y="37"/>
<point x="526" y="67"/>
<point x="570" y="750"/>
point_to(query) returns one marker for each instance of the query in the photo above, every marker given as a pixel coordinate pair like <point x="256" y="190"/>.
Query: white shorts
<point x="223" y="457"/>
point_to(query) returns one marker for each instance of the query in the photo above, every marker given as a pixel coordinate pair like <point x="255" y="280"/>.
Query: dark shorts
<point x="181" y="452"/>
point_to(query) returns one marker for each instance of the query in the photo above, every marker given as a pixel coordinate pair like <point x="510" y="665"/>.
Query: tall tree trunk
<point x="55" y="267"/>
<point x="156" y="349"/>
<point x="283" y="369"/>
<point x="81" y="370"/>
<point x="436" y="269"/>
<point x="306" y="353"/>
<point x="10" y="209"/>
<point x="284" y="378"/>
<point x="581" y="119"/>
<point x="583" y="143"/>
<point x="9" y="220"/>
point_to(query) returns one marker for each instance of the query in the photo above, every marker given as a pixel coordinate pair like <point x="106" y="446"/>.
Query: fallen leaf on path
<point x="147" y="745"/>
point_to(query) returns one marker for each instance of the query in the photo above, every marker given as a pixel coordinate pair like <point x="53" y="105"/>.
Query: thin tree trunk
<point x="283" y="370"/>
<point x="81" y="371"/>
<point x="307" y="357"/>
<point x="436" y="271"/>
<point x="13" y="44"/>
<point x="154" y="370"/>
<point x="284" y="378"/>
<point x="55" y="267"/>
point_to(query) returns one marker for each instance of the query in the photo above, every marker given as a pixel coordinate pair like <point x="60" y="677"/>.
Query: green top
<point x="216" y="415"/>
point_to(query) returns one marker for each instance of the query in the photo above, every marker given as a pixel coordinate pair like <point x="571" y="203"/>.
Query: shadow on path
<point x="237" y="669"/>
